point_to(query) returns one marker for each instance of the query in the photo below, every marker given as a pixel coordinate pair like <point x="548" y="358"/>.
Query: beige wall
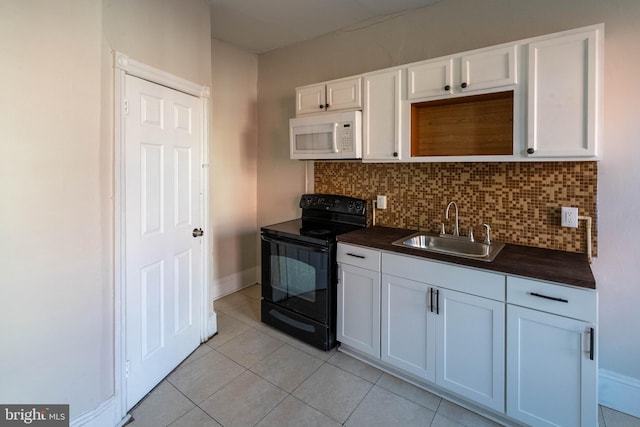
<point x="234" y="128"/>
<point x="174" y="36"/>
<point x="56" y="181"/>
<point x="452" y="26"/>
<point x="55" y="216"/>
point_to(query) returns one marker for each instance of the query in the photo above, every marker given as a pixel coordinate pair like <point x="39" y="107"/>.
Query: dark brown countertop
<point x="568" y="268"/>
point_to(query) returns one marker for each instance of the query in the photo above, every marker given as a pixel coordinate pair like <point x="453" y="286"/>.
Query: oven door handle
<point x="295" y="244"/>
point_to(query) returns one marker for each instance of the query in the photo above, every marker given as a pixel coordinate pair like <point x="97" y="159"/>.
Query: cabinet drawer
<point x="468" y="280"/>
<point x="359" y="256"/>
<point x="553" y="298"/>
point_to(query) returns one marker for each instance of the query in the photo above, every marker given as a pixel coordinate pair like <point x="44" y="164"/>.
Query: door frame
<point x="208" y="326"/>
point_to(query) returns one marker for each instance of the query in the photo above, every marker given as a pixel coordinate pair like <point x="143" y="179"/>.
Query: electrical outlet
<point x="569" y="217"/>
<point x="382" y="202"/>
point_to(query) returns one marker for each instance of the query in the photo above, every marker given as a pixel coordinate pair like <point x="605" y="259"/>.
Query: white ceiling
<point x="262" y="25"/>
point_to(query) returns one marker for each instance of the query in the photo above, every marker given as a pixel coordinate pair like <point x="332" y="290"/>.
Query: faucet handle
<point x="471" y="234"/>
<point x="487" y="234"/>
<point x="442" y="230"/>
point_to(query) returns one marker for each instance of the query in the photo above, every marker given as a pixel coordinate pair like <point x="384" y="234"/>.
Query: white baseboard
<point x="619" y="392"/>
<point x="105" y="415"/>
<point x="234" y="282"/>
<point x="212" y="324"/>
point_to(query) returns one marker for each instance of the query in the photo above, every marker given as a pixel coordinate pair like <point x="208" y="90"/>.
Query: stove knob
<point x="351" y="205"/>
<point x="359" y="206"/>
<point x="306" y="202"/>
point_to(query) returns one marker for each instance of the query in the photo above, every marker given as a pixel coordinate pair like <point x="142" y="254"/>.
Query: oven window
<point x="296" y="276"/>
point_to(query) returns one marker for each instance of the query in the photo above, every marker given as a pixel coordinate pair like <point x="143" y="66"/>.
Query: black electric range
<point x="299" y="269"/>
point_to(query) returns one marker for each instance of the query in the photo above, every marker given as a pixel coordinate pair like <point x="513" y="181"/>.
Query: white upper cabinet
<point x="430" y="79"/>
<point x="489" y="69"/>
<point x="478" y="70"/>
<point x="344" y="94"/>
<point x="553" y="82"/>
<point x="564" y="116"/>
<point x="381" y="121"/>
<point x="311" y="99"/>
<point x="336" y="95"/>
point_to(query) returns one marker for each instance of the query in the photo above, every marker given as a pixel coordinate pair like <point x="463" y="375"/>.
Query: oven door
<point x="298" y="276"/>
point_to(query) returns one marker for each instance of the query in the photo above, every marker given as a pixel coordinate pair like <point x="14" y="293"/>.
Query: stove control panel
<point x="333" y="203"/>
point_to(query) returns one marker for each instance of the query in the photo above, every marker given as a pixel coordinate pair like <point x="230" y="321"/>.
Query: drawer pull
<point x="437" y="301"/>
<point x="535" y="294"/>
<point x="591" y="343"/>
<point x="356" y="255"/>
<point x="431" y="300"/>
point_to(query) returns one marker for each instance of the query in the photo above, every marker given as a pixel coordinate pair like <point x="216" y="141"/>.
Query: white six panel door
<point x="163" y="259"/>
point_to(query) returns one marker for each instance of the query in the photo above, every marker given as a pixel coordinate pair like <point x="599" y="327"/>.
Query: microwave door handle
<point x="335" y="137"/>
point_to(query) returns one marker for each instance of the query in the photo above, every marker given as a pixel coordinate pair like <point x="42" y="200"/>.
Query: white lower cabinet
<point x="470" y="342"/>
<point x="358" y="315"/>
<point x="480" y="335"/>
<point x="453" y="339"/>
<point x="408" y="327"/>
<point x="551" y="359"/>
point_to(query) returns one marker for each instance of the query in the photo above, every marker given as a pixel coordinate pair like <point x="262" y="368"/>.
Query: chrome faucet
<point x="487" y="234"/>
<point x="456" y="231"/>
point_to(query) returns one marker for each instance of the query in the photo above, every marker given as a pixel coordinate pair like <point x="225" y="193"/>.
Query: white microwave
<point x="326" y="136"/>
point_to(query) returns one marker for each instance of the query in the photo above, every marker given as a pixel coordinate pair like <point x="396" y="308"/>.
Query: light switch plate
<point x="381" y="202"/>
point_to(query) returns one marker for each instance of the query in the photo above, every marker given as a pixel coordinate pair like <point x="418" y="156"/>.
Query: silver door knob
<point x="197" y="232"/>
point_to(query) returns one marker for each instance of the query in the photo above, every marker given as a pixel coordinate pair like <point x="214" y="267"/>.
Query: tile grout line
<point x="197" y="405"/>
<point x="359" y="403"/>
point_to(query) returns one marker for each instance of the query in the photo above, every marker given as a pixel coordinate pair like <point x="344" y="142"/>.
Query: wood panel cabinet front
<point x="479" y="125"/>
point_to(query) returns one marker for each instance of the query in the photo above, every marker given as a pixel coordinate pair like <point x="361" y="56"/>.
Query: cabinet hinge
<point x="127" y="368"/>
<point x="125" y="107"/>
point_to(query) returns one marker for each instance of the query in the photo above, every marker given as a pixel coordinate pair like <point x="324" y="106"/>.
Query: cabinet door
<point x="564" y="96"/>
<point x="470" y="347"/>
<point x="344" y="94"/>
<point x="358" y="317"/>
<point x="551" y="369"/>
<point x="381" y="116"/>
<point x="430" y="79"/>
<point x="408" y="327"/>
<point x="310" y="99"/>
<point x="488" y="69"/>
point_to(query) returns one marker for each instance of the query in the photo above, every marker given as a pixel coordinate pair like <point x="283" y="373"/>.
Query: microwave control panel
<point x="347" y="137"/>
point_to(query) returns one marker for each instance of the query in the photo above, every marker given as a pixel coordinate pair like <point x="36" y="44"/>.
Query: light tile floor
<point x="252" y="375"/>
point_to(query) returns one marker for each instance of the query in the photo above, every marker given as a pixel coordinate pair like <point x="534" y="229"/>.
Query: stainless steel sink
<point x="451" y="245"/>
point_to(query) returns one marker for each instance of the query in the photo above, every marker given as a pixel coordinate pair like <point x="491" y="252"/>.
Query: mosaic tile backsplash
<point x="520" y="201"/>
